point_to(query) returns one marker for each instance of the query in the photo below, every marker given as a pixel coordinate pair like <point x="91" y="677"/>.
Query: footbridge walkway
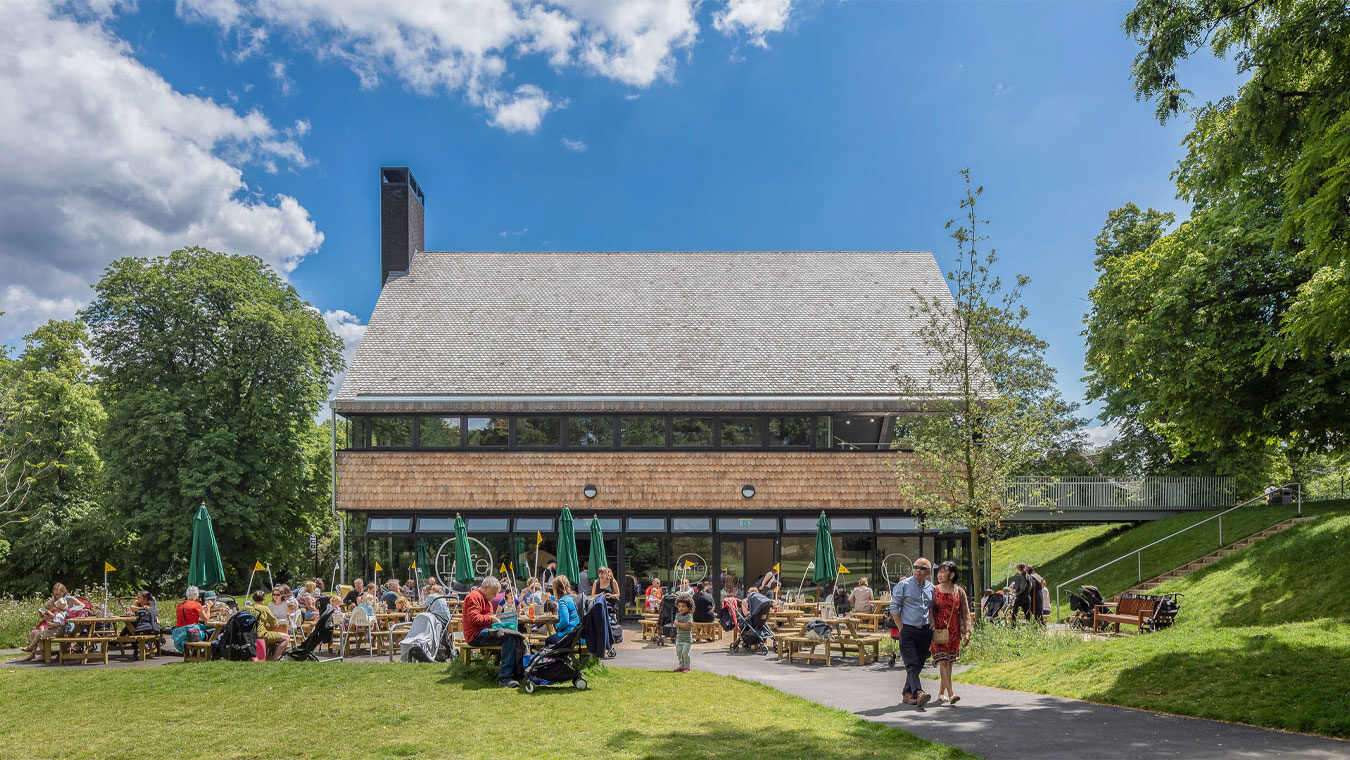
<point x="1099" y="499"/>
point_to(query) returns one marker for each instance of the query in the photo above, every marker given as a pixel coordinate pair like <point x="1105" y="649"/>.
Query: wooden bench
<point x="200" y="651"/>
<point x="707" y="631"/>
<point x="466" y="650"/>
<point x="649" y="628"/>
<point x="144" y="645"/>
<point x="1132" y="609"/>
<point x="90" y="648"/>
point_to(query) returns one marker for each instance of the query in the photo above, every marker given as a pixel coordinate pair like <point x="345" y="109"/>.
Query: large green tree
<point x="1221" y="345"/>
<point x="212" y="369"/>
<point x="64" y="532"/>
<point x="988" y="405"/>
<point x="1278" y="149"/>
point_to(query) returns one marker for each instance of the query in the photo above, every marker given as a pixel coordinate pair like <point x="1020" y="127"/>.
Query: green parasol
<point x="827" y="569"/>
<point x="597" y="556"/>
<point x="422" y="559"/>
<point x="518" y="567"/>
<point x="568" y="564"/>
<point x="205" y="569"/>
<point x="463" y="564"/>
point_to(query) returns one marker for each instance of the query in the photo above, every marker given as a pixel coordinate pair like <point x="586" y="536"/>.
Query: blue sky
<point x="741" y="124"/>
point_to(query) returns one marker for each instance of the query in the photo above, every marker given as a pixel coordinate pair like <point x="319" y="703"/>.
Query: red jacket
<point x="477" y="613"/>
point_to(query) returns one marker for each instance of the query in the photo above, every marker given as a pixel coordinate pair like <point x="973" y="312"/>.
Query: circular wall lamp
<point x="748" y="490"/>
<point x="590" y="491"/>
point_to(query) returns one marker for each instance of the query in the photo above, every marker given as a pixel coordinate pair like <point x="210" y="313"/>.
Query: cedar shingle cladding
<point x="629" y="481"/>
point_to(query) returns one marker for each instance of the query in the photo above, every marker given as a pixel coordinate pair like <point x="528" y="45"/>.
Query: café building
<point x="705" y="407"/>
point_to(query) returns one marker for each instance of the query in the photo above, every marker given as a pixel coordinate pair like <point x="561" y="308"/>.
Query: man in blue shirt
<point x="911" y="602"/>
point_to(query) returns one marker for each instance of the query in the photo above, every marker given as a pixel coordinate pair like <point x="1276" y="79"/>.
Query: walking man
<point x="911" y="602"/>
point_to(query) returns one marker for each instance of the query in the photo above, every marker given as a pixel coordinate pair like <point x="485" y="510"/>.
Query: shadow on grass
<point x="1262" y="681"/>
<point x="700" y="738"/>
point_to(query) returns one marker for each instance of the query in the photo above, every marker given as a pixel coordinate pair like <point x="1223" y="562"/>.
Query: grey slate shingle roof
<point x="709" y="323"/>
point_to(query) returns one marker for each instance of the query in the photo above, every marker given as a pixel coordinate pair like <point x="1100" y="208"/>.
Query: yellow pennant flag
<point x="503" y="570"/>
<point x="775" y="566"/>
<point x="377" y="567"/>
<point x="689" y="563"/>
<point x="513" y="567"/>
<point x="538" y="538"/>
<point x="843" y="569"/>
<point x="258" y="566"/>
<point x="108" y="568"/>
<point x="414" y="565"/>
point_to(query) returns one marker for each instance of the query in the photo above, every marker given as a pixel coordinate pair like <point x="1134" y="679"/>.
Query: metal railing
<point x="1138" y="554"/>
<point x="1107" y="494"/>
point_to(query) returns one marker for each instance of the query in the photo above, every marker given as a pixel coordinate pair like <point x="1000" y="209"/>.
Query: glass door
<point x="742" y="562"/>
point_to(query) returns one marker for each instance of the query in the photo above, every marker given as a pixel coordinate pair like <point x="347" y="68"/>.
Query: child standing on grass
<point x="684" y="632"/>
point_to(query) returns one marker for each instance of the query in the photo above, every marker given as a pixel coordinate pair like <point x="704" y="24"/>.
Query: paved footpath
<point x="998" y="724"/>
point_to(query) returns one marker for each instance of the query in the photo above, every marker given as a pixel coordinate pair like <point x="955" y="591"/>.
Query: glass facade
<point x="539" y="431"/>
<point x="599" y="431"/>
<point x="739" y="431"/>
<point x="486" y="431"/>
<point x="692" y="432"/>
<point x="732" y="552"/>
<point x="590" y="431"/>
<point x="440" y="432"/>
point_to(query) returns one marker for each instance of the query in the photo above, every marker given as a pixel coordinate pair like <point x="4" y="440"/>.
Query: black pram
<point x="1083" y="606"/>
<point x="555" y="663"/>
<point x="752" y="629"/>
<point x="321" y="633"/>
<point x="595" y="626"/>
<point x="665" y="620"/>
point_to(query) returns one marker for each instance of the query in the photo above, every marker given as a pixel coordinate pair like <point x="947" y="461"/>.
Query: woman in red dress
<point x="951" y="613"/>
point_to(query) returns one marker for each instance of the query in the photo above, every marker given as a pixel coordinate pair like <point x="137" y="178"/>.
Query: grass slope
<point x="1263" y="638"/>
<point x="1042" y="549"/>
<point x="1082" y="556"/>
<point x="408" y="711"/>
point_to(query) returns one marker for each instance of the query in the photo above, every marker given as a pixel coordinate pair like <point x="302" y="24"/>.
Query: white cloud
<point x="285" y="85"/>
<point x="102" y="159"/>
<point x="754" y="17"/>
<point x="576" y="145"/>
<point x="468" y="47"/>
<point x="1102" y="435"/>
<point x="348" y="327"/>
<point x="508" y="234"/>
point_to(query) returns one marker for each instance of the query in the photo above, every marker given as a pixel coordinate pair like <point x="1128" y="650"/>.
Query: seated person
<point x="353" y="596"/>
<point x="568" y="618"/>
<point x="53" y="621"/>
<point x="478" y="631"/>
<point x="268" y="629"/>
<point x="704" y="604"/>
<point x="188" y="618"/>
<point x="654" y="595"/>
<point x="306" y="599"/>
<point x="278" y="605"/>
<point x="390" y="596"/>
<point x="339" y="618"/>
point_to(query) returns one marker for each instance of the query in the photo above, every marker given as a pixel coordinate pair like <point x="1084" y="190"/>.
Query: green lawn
<point x="1065" y="556"/>
<point x="406" y="711"/>
<point x="1263" y="638"/>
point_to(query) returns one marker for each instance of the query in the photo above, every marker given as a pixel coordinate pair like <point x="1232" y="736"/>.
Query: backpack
<point x="239" y="641"/>
<point x="818" y="630"/>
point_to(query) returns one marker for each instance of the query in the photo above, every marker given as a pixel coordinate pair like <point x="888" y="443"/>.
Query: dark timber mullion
<point x="614" y="432"/>
<point x="717" y="433"/>
<point x="670" y="431"/>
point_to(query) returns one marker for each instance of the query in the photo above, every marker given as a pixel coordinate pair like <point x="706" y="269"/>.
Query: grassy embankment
<point x="1263" y="638"/>
<point x="405" y="711"/>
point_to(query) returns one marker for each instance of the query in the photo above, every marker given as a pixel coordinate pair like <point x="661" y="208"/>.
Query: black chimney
<point x="402" y="221"/>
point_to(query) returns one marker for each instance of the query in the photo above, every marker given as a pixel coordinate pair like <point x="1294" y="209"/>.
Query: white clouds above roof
<point x="104" y="159"/>
<point x="468" y="47"/>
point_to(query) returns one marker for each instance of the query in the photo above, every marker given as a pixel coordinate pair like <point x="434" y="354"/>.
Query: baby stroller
<point x="753" y="632"/>
<point x="322" y="633"/>
<point x="997" y="607"/>
<point x="1082" y="605"/>
<point x="665" y="620"/>
<point x="595" y="625"/>
<point x="555" y="663"/>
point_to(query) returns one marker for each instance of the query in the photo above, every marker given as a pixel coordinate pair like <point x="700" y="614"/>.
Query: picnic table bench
<point x="845" y="640"/>
<point x="1132" y="609"/>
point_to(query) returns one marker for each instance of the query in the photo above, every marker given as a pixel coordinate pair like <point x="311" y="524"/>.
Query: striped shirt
<point x="684" y="634"/>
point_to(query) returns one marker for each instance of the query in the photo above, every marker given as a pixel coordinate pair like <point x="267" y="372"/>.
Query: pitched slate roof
<point x="764" y="323"/>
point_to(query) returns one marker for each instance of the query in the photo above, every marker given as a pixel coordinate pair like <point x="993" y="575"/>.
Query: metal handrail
<point x="1139" y="553"/>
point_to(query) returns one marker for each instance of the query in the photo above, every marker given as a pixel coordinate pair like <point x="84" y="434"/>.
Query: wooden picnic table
<point x="92" y="635"/>
<point x="869" y="621"/>
<point x="846" y="637"/>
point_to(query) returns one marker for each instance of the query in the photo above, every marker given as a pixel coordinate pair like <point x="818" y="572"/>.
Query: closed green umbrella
<point x="463" y="565"/>
<point x="597" y="557"/>
<point x="422" y="560"/>
<point x="827" y="568"/>
<point x="519" y="568"/>
<point x="568" y="564"/>
<point x="205" y="568"/>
